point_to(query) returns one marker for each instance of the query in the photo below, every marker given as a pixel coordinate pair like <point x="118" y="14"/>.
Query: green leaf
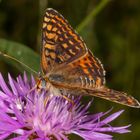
<point x="20" y="52"/>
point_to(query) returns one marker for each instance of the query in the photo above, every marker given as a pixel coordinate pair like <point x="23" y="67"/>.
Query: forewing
<point x="61" y="44"/>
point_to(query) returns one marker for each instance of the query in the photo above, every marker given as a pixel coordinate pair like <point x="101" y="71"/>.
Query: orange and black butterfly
<point x="69" y="67"/>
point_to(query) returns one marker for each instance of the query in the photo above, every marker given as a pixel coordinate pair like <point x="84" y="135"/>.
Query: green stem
<point x="91" y="15"/>
<point x="42" y="7"/>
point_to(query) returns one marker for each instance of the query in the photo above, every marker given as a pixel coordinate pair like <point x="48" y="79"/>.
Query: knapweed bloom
<point x="29" y="116"/>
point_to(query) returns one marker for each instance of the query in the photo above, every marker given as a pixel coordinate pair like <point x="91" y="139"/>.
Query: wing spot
<point x="59" y="32"/>
<point x="83" y="66"/>
<point x="46" y="19"/>
<point x="47" y="14"/>
<point x="77" y="48"/>
<point x="51" y="47"/>
<point x="54" y="29"/>
<point x="58" y="18"/>
<point x="52" y="55"/>
<point x="66" y="56"/>
<point x="65" y="45"/>
<point x="51" y="35"/>
<point x="53" y="20"/>
<point x="90" y="65"/>
<point x="86" y="71"/>
<point x="61" y="39"/>
<point x="90" y="76"/>
<point x="90" y="83"/>
<point x="61" y="58"/>
<point x="72" y="52"/>
<point x="86" y="82"/>
<point x="82" y="81"/>
<point x="44" y="25"/>
<point x="47" y="34"/>
<point x="65" y="36"/>
<point x="51" y="15"/>
<point x="46" y="52"/>
<point x="71" y="42"/>
<point x="49" y="27"/>
<point x="98" y="82"/>
<point x="59" y="25"/>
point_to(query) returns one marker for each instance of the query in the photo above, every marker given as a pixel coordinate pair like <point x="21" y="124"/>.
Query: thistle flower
<point x="26" y="115"/>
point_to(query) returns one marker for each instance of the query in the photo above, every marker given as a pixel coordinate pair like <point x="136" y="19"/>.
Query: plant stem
<point x="42" y="7"/>
<point x="91" y="15"/>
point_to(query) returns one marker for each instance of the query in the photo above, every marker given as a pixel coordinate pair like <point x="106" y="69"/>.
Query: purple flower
<point x="34" y="115"/>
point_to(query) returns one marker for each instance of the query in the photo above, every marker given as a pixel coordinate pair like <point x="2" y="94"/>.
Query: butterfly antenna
<point x="14" y="59"/>
<point x="27" y="98"/>
<point x="32" y="89"/>
<point x="29" y="92"/>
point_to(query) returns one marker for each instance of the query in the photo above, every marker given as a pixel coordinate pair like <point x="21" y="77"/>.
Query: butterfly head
<point x="42" y="82"/>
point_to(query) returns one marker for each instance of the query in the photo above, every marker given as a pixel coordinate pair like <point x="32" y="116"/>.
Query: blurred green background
<point x="113" y="36"/>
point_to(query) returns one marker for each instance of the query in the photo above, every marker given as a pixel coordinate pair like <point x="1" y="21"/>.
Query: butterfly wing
<point x="114" y="96"/>
<point x="107" y="94"/>
<point x="61" y="44"/>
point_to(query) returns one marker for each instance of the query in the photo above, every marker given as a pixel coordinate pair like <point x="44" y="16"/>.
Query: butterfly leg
<point x="46" y="100"/>
<point x="69" y="100"/>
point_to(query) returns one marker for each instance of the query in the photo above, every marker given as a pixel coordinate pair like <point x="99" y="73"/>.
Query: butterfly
<point x="69" y="67"/>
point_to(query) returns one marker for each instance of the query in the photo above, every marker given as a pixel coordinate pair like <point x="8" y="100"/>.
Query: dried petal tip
<point x="25" y="116"/>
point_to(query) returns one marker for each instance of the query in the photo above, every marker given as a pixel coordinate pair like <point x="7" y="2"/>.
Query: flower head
<point x="35" y="115"/>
